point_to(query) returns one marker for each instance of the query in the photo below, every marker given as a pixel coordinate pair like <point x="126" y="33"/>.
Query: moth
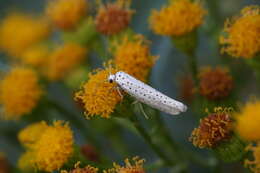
<point x="146" y="94"/>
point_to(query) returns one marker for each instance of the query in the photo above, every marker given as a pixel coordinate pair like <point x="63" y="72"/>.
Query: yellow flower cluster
<point x="178" y="18"/>
<point x="215" y="83"/>
<point x="66" y="14"/>
<point x="254" y="165"/>
<point x="133" y="57"/>
<point x="48" y="147"/>
<point x="32" y="133"/>
<point x="25" y="162"/>
<point x="98" y="96"/>
<point x="77" y="169"/>
<point x="242" y="34"/>
<point x="64" y="59"/>
<point x="248" y="121"/>
<point x="19" y="92"/>
<point x="20" y="31"/>
<point x="135" y="167"/>
<point x="35" y="56"/>
<point x="113" y="17"/>
<point x="212" y="130"/>
<point x="54" y="147"/>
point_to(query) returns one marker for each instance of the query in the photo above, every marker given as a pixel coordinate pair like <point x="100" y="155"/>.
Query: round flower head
<point x="213" y="129"/>
<point x="248" y="121"/>
<point x="98" y="95"/>
<point x="242" y="34"/>
<point x="20" y="31"/>
<point x="25" y="162"/>
<point x="54" y="147"/>
<point x="133" y="57"/>
<point x="64" y="59"/>
<point x="254" y="165"/>
<point x="90" y="152"/>
<point x="215" y="83"/>
<point x="186" y="88"/>
<point x="86" y="169"/>
<point x="19" y="92"/>
<point x="66" y="14"/>
<point x="32" y="133"/>
<point x="178" y="18"/>
<point x="35" y="56"/>
<point x="135" y="167"/>
<point x="113" y="17"/>
<point x="4" y="165"/>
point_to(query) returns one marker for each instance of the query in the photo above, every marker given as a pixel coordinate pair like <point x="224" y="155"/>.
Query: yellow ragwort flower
<point x="19" y="92"/>
<point x="32" y="133"/>
<point x="135" y="167"/>
<point x="20" y="31"/>
<point x="98" y="96"/>
<point x="134" y="57"/>
<point x="25" y="162"/>
<point x="66" y="14"/>
<point x="77" y="169"/>
<point x="178" y="18"/>
<point x="64" y="59"/>
<point x="35" y="56"/>
<point x="54" y="147"/>
<point x="215" y="83"/>
<point x="248" y="121"/>
<point x="254" y="165"/>
<point x="212" y="130"/>
<point x="113" y="17"/>
<point x="242" y="34"/>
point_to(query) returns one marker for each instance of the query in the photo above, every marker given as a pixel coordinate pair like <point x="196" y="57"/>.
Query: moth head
<point x="111" y="78"/>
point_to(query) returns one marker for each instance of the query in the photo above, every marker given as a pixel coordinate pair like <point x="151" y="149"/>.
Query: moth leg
<point x="134" y="102"/>
<point x="118" y="90"/>
<point x="142" y="110"/>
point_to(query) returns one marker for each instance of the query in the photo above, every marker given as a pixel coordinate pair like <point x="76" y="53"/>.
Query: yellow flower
<point x="178" y="18"/>
<point x="86" y="169"/>
<point x="242" y="34"/>
<point x="113" y="17"/>
<point x="35" y="56"/>
<point x="64" y="59"/>
<point x="135" y="167"/>
<point x="66" y="14"/>
<point x="248" y="121"/>
<point x="212" y="130"/>
<point x="254" y="165"/>
<point x="215" y="83"/>
<point x="19" y="92"/>
<point x="98" y="95"/>
<point x="32" y="133"/>
<point x="25" y="162"/>
<point x="20" y="31"/>
<point x="54" y="147"/>
<point x="133" y="57"/>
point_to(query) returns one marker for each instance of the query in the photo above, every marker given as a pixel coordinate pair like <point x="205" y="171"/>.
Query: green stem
<point x="164" y="132"/>
<point x="133" y="118"/>
<point x="181" y="154"/>
<point x="74" y="119"/>
<point x="192" y="62"/>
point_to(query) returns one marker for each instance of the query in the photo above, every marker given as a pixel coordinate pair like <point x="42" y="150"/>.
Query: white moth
<point x="146" y="94"/>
